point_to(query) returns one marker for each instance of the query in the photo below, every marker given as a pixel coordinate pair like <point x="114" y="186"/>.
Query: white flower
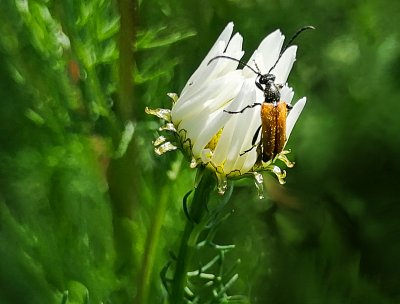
<point x="218" y="139"/>
<point x="198" y="109"/>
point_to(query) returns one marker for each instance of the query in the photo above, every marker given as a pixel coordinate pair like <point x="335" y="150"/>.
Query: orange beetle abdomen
<point x="273" y="126"/>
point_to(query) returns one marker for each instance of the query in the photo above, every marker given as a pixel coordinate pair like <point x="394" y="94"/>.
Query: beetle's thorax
<point x="271" y="93"/>
<point x="271" y="90"/>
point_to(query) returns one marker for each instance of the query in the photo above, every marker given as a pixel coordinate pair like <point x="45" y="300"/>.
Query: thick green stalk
<point x="190" y="235"/>
<point x="122" y="172"/>
<point x="125" y="105"/>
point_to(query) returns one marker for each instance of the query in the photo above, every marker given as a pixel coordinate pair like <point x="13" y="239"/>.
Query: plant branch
<point x="190" y="235"/>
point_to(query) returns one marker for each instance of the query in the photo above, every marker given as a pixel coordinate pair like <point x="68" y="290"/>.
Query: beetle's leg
<point x="253" y="142"/>
<point x="248" y="150"/>
<point x="242" y="110"/>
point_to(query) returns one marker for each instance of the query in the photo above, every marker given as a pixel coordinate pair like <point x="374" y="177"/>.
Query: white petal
<point x="207" y="131"/>
<point x="205" y="118"/>
<point x="220" y="44"/>
<point x="294" y="115"/>
<point x="213" y="96"/>
<point x="218" y="47"/>
<point x="238" y="132"/>
<point x="224" y="143"/>
<point x="225" y="36"/>
<point x="267" y="53"/>
<point x="285" y="64"/>
<point x="250" y="123"/>
<point x="234" y="50"/>
<point x="287" y="94"/>
<point x="203" y="74"/>
<point x="249" y="161"/>
<point x="235" y="44"/>
<point x="207" y="71"/>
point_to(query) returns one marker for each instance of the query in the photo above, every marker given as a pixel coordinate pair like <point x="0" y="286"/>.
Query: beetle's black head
<point x="267" y="78"/>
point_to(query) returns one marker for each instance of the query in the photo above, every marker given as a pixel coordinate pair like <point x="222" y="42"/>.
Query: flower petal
<point x="212" y="97"/>
<point x="285" y="64"/>
<point x="215" y="122"/>
<point x="219" y="46"/>
<point x="235" y="137"/>
<point x="294" y="115"/>
<point x="235" y="44"/>
<point x="287" y="94"/>
<point x="208" y="72"/>
<point x="266" y="54"/>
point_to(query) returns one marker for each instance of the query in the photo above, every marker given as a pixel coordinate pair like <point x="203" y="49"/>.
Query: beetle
<point x="273" y="110"/>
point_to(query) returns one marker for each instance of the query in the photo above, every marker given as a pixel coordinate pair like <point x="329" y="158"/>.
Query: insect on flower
<point x="201" y="121"/>
<point x="273" y="110"/>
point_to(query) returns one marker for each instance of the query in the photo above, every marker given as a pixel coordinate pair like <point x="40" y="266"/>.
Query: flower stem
<point x="190" y="235"/>
<point x="151" y="247"/>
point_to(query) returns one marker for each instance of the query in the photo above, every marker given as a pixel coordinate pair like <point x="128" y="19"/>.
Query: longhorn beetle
<point x="273" y="109"/>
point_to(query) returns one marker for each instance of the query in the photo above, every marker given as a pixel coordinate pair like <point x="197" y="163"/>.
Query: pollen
<point x="213" y="142"/>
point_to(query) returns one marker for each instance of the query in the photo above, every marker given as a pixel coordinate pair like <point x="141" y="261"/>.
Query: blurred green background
<point x="88" y="213"/>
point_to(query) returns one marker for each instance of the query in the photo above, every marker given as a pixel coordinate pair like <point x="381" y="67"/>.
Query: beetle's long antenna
<point x="234" y="59"/>
<point x="307" y="27"/>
